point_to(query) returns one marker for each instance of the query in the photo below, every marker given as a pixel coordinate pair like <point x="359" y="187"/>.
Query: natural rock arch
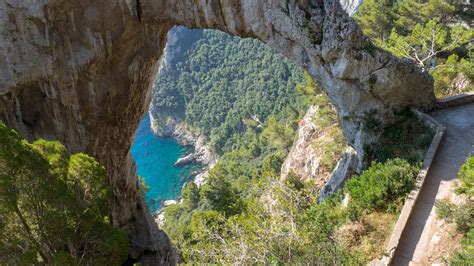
<point x="81" y="72"/>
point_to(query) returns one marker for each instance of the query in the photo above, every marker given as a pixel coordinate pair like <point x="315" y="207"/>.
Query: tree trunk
<point x="30" y="234"/>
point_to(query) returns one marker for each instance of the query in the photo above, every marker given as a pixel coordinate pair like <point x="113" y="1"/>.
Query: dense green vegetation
<point x="380" y="186"/>
<point x="220" y="82"/>
<point x="433" y="33"/>
<point x="463" y="214"/>
<point x="405" y="137"/>
<point x="279" y="221"/>
<point x="234" y="186"/>
<point x="466" y="175"/>
<point x="245" y="213"/>
<point x="53" y="206"/>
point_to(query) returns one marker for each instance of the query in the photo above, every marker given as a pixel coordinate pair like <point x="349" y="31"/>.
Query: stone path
<point x="458" y="142"/>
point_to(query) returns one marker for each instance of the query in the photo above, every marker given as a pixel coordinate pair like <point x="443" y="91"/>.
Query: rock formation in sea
<point x="81" y="72"/>
<point x="166" y="126"/>
<point x="190" y="158"/>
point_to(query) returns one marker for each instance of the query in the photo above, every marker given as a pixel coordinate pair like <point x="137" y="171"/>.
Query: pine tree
<point x="53" y="206"/>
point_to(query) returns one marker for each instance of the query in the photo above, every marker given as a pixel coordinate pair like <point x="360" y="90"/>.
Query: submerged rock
<point x="169" y="202"/>
<point x="185" y="160"/>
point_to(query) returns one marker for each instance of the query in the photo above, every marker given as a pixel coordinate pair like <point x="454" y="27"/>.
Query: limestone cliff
<point x="321" y="37"/>
<point x="81" y="72"/>
<point x="316" y="154"/>
<point x="351" y="6"/>
<point x="304" y="157"/>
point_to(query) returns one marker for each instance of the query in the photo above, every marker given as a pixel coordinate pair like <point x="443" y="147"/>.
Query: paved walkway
<point x="457" y="143"/>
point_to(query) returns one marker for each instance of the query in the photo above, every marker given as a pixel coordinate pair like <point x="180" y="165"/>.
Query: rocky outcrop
<point x="344" y="169"/>
<point x="308" y="151"/>
<point x="185" y="160"/>
<point x="351" y="6"/>
<point x="303" y="158"/>
<point x="81" y="72"/>
<point x="459" y="84"/>
<point x="163" y="125"/>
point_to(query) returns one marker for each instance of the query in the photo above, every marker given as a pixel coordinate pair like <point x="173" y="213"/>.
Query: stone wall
<point x="413" y="196"/>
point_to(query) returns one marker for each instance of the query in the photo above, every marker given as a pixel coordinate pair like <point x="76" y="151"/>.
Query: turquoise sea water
<point x="154" y="158"/>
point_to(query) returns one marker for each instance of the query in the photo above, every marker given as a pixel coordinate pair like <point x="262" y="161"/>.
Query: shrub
<point x="465" y="256"/>
<point x="462" y="215"/>
<point x="407" y="137"/>
<point x="466" y="175"/>
<point x="444" y="209"/>
<point x="382" y="185"/>
<point x="371" y="123"/>
<point x="350" y="233"/>
<point x="53" y="206"/>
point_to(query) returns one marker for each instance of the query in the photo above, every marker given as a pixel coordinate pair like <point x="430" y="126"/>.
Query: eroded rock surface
<point x="308" y="151"/>
<point x="317" y="142"/>
<point x="303" y="159"/>
<point x="81" y="72"/>
<point x="321" y="37"/>
<point x="350" y="6"/>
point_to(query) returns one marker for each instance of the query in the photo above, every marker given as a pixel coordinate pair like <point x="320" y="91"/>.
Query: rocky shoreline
<point x="172" y="127"/>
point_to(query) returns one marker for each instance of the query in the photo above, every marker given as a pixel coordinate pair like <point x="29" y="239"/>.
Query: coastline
<point x="172" y="127"/>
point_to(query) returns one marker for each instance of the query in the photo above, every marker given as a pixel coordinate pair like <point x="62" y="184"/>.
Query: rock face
<point x="304" y="157"/>
<point x="344" y="169"/>
<point x="351" y="6"/>
<point x="81" y="72"/>
<point x="321" y="37"/>
<point x="308" y="151"/>
<point x="185" y="160"/>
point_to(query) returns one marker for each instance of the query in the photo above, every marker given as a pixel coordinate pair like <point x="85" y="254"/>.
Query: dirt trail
<point x="458" y="142"/>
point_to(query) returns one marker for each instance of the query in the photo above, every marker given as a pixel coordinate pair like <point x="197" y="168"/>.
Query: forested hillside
<point x="222" y="81"/>
<point x="246" y="213"/>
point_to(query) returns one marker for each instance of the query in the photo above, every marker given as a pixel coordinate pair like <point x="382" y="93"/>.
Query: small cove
<point x="155" y="158"/>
